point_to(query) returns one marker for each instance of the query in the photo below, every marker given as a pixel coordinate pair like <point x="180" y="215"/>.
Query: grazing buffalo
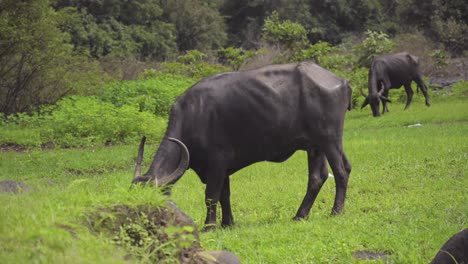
<point x="454" y="251"/>
<point x="231" y="120"/>
<point x="391" y="72"/>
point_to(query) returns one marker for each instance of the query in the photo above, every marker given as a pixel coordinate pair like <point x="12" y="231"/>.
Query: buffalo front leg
<point x="341" y="169"/>
<point x="384" y="102"/>
<point x="225" y="201"/>
<point x="318" y="174"/>
<point x="214" y="185"/>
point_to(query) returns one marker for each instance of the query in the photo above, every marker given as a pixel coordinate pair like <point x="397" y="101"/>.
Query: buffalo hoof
<point x="216" y="257"/>
<point x="455" y="250"/>
<point x="208" y="227"/>
<point x="336" y="212"/>
<point x="141" y="180"/>
<point x="299" y="218"/>
<point x="227" y="225"/>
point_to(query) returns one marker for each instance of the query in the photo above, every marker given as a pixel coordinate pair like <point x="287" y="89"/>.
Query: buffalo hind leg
<point x="423" y="88"/>
<point x="225" y="201"/>
<point x="409" y="94"/>
<point x="318" y="174"/>
<point x="341" y="169"/>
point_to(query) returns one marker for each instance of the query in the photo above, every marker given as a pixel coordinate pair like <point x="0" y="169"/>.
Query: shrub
<point x="314" y="52"/>
<point x="358" y="83"/>
<point x="236" y="57"/>
<point x="376" y="43"/>
<point x="79" y="121"/>
<point x="85" y="121"/>
<point x="195" y="71"/>
<point x="153" y="92"/>
<point x="289" y="34"/>
<point x="324" y="54"/>
<point x="192" y="56"/>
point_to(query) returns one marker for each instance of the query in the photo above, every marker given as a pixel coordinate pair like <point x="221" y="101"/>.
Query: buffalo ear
<point x="366" y="102"/>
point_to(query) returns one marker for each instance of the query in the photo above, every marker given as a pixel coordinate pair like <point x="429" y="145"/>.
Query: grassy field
<point x="407" y="195"/>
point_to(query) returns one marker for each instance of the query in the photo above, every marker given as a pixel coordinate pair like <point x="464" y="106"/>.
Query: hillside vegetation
<point x="54" y="49"/>
<point x="82" y="81"/>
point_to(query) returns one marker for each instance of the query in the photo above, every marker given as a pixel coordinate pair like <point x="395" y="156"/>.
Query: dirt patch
<point x="12" y="147"/>
<point x="13" y="186"/>
<point x="370" y="255"/>
<point x="48" y="146"/>
<point x="69" y="229"/>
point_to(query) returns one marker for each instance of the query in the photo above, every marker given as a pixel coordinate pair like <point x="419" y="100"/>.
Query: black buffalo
<point x="391" y="72"/>
<point x="231" y="120"/>
<point x="455" y="250"/>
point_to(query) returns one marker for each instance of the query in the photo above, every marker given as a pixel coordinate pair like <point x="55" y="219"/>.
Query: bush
<point x="195" y="71"/>
<point x="236" y="57"/>
<point x="192" y="56"/>
<point x="153" y="93"/>
<point x="314" y="52"/>
<point x="288" y="34"/>
<point x="358" y="82"/>
<point x="376" y="43"/>
<point x="86" y="121"/>
<point x="192" y="64"/>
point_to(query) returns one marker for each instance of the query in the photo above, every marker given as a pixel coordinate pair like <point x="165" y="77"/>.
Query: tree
<point x="198" y="26"/>
<point x="442" y="21"/>
<point x="36" y="64"/>
<point x="119" y="28"/>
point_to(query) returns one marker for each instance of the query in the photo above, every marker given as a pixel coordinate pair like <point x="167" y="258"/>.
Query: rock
<point x="454" y="251"/>
<point x="216" y="257"/>
<point x="13" y="186"/>
<point x="370" y="255"/>
<point x="179" y="218"/>
<point x="443" y="82"/>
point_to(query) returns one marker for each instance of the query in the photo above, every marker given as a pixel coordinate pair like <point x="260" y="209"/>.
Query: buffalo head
<point x="162" y="170"/>
<point x="374" y="101"/>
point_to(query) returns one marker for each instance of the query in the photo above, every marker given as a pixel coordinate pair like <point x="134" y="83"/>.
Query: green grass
<point x="407" y="195"/>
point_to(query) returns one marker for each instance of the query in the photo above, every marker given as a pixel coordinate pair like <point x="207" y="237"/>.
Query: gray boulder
<point x="13" y="186"/>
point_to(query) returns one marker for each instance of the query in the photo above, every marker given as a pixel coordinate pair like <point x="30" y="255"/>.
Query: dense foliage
<point x="65" y="65"/>
<point x="122" y="113"/>
<point x="37" y="65"/>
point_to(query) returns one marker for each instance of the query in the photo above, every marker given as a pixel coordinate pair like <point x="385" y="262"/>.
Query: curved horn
<point x="362" y="93"/>
<point x="141" y="149"/>
<point x="381" y="91"/>
<point x="385" y="99"/>
<point x="183" y="164"/>
<point x="365" y="103"/>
